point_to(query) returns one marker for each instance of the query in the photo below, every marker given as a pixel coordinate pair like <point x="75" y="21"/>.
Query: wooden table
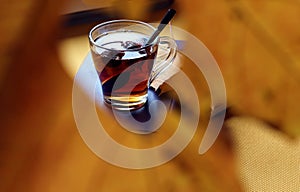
<point x="41" y="148"/>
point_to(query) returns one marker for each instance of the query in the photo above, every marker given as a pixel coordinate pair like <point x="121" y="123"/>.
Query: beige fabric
<point x="268" y="160"/>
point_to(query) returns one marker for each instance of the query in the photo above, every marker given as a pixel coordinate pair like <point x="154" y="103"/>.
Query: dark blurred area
<point x="78" y="20"/>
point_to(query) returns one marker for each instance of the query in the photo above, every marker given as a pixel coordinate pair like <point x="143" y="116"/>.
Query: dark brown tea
<point x="127" y="66"/>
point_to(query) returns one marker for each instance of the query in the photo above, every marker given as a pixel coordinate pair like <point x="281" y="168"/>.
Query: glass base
<point x="126" y="103"/>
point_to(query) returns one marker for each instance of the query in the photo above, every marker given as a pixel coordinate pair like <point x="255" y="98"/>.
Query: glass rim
<point x="121" y="21"/>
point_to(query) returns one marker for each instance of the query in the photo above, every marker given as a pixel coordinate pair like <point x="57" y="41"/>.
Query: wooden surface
<point x="256" y="44"/>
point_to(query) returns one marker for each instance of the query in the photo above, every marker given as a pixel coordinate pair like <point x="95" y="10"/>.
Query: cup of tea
<point x="126" y="64"/>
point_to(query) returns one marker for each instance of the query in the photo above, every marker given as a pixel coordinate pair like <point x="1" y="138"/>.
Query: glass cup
<point x="125" y="63"/>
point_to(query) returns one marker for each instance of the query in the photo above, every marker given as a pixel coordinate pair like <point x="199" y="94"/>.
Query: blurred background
<point x="256" y="44"/>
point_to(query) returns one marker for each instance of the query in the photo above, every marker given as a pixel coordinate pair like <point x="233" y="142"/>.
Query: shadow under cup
<point x="124" y="62"/>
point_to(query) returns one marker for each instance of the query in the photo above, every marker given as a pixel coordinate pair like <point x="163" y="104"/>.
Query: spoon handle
<point x="165" y="20"/>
